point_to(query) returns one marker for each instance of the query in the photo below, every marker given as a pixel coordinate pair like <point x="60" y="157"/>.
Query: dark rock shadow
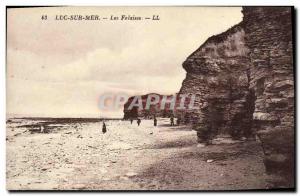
<point x="184" y="171"/>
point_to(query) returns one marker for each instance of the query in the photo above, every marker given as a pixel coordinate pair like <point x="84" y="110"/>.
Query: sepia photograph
<point x="150" y="98"/>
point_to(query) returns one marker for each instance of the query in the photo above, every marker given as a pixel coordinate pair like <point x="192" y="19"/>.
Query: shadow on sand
<point x="192" y="169"/>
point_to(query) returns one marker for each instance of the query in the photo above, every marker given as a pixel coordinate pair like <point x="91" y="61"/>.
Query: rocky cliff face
<point x="218" y="72"/>
<point x="268" y="33"/>
<point x="143" y="112"/>
<point x="244" y="82"/>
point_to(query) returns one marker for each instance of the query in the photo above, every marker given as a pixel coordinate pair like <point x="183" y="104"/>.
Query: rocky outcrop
<point x="244" y="83"/>
<point x="218" y="72"/>
<point x="147" y="113"/>
<point x="268" y="33"/>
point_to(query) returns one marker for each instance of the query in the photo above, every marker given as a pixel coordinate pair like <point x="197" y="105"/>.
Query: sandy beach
<point x="77" y="156"/>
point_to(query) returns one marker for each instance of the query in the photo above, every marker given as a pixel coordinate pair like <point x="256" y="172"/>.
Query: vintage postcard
<point x="150" y="98"/>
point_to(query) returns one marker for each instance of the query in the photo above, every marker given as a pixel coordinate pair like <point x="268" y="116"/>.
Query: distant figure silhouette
<point x="155" y="121"/>
<point x="138" y="121"/>
<point x="172" y="121"/>
<point x="131" y="120"/>
<point x="104" y="128"/>
<point x="42" y="129"/>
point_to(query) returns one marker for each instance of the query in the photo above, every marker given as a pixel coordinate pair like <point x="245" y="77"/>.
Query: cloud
<point x="57" y="66"/>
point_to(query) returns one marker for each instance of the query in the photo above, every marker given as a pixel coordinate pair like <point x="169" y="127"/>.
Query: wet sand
<point x="77" y="156"/>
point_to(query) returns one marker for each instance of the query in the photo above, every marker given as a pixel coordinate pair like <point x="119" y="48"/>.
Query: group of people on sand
<point x="138" y="120"/>
<point x="154" y="121"/>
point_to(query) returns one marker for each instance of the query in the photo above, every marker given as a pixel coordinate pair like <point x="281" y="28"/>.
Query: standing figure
<point x="172" y="121"/>
<point x="131" y="120"/>
<point x="42" y="129"/>
<point x="155" y="121"/>
<point x="104" y="128"/>
<point x="138" y="121"/>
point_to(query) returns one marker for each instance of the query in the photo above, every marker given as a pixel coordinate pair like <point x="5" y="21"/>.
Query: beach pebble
<point x="130" y="174"/>
<point x="106" y="165"/>
<point x="201" y="145"/>
<point x="209" y="160"/>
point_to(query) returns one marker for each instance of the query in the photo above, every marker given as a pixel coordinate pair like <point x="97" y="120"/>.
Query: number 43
<point x="44" y="17"/>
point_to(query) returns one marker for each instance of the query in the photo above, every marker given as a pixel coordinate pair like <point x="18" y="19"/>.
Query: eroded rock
<point x="268" y="35"/>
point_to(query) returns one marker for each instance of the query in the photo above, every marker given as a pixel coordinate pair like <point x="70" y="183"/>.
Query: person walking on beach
<point x="172" y="121"/>
<point x="155" y="122"/>
<point x="138" y="121"/>
<point x="104" y="128"/>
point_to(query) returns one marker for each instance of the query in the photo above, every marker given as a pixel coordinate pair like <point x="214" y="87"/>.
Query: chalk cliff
<point x="245" y="85"/>
<point x="143" y="112"/>
<point x="269" y="38"/>
<point x="218" y="72"/>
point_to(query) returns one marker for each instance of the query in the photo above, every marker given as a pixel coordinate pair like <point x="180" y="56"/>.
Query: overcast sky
<point x="60" y="68"/>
